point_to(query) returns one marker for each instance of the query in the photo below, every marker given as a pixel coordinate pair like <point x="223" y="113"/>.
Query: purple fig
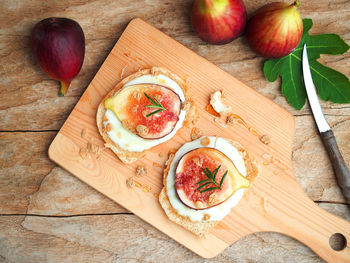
<point x="59" y="46"/>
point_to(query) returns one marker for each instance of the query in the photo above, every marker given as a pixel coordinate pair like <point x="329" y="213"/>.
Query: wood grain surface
<point x="48" y="215"/>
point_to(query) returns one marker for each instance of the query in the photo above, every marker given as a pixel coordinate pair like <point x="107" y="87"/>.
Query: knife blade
<point x="340" y="169"/>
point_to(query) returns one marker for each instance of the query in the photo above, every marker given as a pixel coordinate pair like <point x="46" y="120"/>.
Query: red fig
<point x="59" y="46"/>
<point x="275" y="30"/>
<point x="218" y="21"/>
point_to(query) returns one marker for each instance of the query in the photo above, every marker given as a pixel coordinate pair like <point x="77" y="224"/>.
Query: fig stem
<point x="296" y="3"/>
<point x="63" y="88"/>
<point x="208" y="2"/>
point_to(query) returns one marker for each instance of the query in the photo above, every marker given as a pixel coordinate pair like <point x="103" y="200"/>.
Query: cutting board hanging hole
<point x="337" y="242"/>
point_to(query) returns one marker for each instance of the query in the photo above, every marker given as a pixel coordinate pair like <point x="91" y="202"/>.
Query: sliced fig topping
<point x="205" y="177"/>
<point x="151" y="111"/>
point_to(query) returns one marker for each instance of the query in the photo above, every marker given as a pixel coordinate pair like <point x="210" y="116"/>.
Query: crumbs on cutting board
<point x="146" y="188"/>
<point x="141" y="170"/>
<point x="84" y="134"/>
<point x="196" y="133"/>
<point x="265" y="139"/>
<point x="223" y="115"/>
<point x="170" y="158"/>
<point x="132" y="61"/>
<point x="130" y="182"/>
<point x="220" y="122"/>
<point x="155" y="164"/>
<point x="205" y="141"/>
<point x="268" y="158"/>
<point x="91" y="148"/>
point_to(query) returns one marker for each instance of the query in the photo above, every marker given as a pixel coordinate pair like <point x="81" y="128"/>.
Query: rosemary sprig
<point x="155" y="104"/>
<point x="211" y="180"/>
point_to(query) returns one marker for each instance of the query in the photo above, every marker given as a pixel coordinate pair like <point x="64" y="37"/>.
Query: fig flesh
<point x="189" y="175"/>
<point x="135" y="110"/>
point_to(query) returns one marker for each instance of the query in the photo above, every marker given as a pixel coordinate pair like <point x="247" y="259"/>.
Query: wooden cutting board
<point x="274" y="202"/>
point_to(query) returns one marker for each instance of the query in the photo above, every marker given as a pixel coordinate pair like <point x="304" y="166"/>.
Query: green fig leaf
<point x="331" y="85"/>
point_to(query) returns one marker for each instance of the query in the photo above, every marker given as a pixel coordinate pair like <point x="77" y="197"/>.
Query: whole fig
<point x="58" y="45"/>
<point x="275" y="29"/>
<point x="218" y="21"/>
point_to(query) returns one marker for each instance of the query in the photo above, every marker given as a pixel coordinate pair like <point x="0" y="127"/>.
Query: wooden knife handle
<point x="340" y="169"/>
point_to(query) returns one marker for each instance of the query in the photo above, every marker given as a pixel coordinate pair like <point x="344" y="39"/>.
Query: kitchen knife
<point x="341" y="171"/>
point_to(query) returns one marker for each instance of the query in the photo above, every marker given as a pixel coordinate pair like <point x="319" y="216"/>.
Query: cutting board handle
<point x="295" y="215"/>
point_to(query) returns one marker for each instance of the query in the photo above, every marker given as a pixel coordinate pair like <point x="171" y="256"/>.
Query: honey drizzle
<point x="121" y="73"/>
<point x="140" y="63"/>
<point x="262" y="204"/>
<point x="272" y="159"/>
<point x="211" y="110"/>
<point x="145" y="188"/>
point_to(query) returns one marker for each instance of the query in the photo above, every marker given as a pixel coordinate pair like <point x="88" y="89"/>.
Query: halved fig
<point x="151" y="111"/>
<point x="190" y="178"/>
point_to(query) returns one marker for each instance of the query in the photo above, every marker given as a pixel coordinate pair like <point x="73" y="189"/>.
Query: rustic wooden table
<point x="47" y="215"/>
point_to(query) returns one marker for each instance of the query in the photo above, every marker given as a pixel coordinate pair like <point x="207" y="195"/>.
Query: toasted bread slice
<point x="201" y="228"/>
<point x="124" y="155"/>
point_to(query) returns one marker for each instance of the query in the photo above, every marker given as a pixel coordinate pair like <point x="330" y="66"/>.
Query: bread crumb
<point x="105" y="118"/>
<point x="84" y="153"/>
<point x="218" y="121"/>
<point x="137" y="184"/>
<point x="93" y="148"/>
<point x="141" y="171"/>
<point x="186" y="105"/>
<point x="265" y="163"/>
<point x="130" y="182"/>
<point x="231" y="119"/>
<point x="154" y="71"/>
<point x="195" y="121"/>
<point x="157" y="165"/>
<point x="156" y="195"/>
<point x="265" y="139"/>
<point x="109" y="127"/>
<point x="196" y="133"/>
<point x="252" y="131"/>
<point x="142" y="130"/>
<point x="266" y="156"/>
<point x="84" y="133"/>
<point x="223" y="94"/>
<point x="243" y="153"/>
<point x="171" y="156"/>
<point x="205" y="141"/>
<point x="206" y="217"/>
<point x="217" y="104"/>
<point x="147" y="189"/>
<point x="161" y="155"/>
